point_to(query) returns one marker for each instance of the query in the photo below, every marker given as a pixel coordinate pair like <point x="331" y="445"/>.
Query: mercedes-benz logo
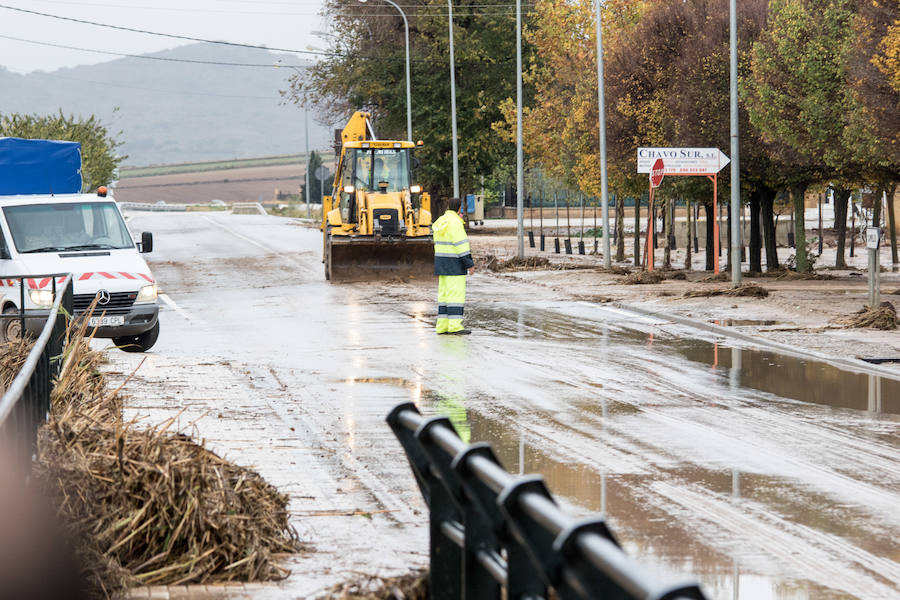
<point x="103" y="297"/>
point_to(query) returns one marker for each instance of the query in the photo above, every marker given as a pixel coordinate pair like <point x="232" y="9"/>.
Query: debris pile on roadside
<point x="882" y="317"/>
<point x="614" y="270"/>
<point x="496" y="264"/>
<point x="12" y="357"/>
<point x="747" y="289"/>
<point x="643" y="277"/>
<point x="783" y="274"/>
<point x="407" y="587"/>
<point x="147" y="506"/>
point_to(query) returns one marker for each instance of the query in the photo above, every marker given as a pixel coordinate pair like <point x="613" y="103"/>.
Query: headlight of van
<point x="41" y="297"/>
<point x="148" y="293"/>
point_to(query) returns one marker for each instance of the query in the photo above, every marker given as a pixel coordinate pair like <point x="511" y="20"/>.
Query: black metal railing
<point x="491" y="530"/>
<point x="26" y="402"/>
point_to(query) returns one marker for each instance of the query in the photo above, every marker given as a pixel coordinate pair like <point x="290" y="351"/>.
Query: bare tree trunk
<point x="637" y="232"/>
<point x="728" y="256"/>
<point x="755" y="239"/>
<point x="767" y="211"/>
<point x="687" y="234"/>
<point x="801" y="260"/>
<point x="841" y="199"/>
<point x="710" y="218"/>
<point x="620" y="228"/>
<point x="876" y="208"/>
<point x="893" y="226"/>
<point x="667" y="253"/>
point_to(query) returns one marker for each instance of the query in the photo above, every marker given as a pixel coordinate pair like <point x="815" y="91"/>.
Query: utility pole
<point x="735" y="158"/>
<point x="601" y="103"/>
<point x="306" y="128"/>
<point x="520" y="171"/>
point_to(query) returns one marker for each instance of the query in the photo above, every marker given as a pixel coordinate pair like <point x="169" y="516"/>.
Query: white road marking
<point x="241" y="236"/>
<point x="171" y="304"/>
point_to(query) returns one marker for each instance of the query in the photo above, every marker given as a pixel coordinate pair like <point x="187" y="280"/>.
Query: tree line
<point x="819" y="95"/>
<point x="99" y="158"/>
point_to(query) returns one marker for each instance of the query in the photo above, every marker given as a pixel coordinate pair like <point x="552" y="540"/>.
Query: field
<point x="249" y="180"/>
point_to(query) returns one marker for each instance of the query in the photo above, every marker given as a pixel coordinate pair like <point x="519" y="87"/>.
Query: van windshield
<point x="68" y="226"/>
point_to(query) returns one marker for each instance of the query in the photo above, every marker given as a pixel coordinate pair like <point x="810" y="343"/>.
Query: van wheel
<point x="10" y="329"/>
<point x="140" y="342"/>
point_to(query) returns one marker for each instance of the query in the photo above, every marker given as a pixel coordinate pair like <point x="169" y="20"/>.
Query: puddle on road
<point x="658" y="530"/>
<point x="794" y="378"/>
<point x="785" y="376"/>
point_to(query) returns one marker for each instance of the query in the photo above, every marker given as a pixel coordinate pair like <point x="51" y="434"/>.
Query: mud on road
<point x="763" y="476"/>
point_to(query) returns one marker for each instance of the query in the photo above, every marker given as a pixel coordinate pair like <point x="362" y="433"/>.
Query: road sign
<point x="322" y="173"/>
<point x="682" y="161"/>
<point x="872" y="235"/>
<point x="657" y="173"/>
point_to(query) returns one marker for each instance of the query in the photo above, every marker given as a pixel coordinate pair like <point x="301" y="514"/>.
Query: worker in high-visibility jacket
<point x="452" y="260"/>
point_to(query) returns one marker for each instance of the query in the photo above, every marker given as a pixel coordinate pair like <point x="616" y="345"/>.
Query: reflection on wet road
<point x="763" y="475"/>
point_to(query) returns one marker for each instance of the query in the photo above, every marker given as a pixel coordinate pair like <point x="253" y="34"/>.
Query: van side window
<point x="4" y="249"/>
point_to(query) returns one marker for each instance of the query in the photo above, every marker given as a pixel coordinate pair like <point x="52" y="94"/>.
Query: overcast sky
<point x="273" y="23"/>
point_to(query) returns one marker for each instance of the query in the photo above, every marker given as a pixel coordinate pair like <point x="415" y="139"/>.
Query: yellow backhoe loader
<point x="376" y="224"/>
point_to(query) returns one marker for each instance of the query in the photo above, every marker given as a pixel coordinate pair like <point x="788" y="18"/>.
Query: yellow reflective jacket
<point x="452" y="255"/>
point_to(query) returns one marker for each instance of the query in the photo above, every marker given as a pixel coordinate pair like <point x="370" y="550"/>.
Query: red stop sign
<point x="657" y="172"/>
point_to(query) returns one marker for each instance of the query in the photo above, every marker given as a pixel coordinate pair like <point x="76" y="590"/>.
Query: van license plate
<point x="106" y="321"/>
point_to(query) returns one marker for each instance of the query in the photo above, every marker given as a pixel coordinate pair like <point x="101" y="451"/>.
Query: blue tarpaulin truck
<point x="39" y="167"/>
<point x="48" y="227"/>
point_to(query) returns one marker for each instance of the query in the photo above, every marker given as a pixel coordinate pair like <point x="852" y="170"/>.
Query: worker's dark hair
<point x="454" y="204"/>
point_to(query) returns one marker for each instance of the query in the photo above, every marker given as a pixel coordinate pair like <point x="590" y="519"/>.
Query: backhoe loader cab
<point x="377" y="222"/>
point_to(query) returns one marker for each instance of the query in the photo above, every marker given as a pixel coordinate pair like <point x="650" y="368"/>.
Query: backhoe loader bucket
<point x="365" y="259"/>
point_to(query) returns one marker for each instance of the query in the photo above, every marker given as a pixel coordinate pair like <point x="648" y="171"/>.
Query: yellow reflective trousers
<point x="451" y="298"/>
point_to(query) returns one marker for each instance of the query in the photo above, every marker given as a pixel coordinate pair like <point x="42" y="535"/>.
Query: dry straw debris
<point x="615" y="270"/>
<point x="529" y="263"/>
<point x="882" y="317"/>
<point x="146" y="505"/>
<point x="408" y="587"/>
<point x="747" y="289"/>
<point x="12" y="357"/>
<point x="643" y="278"/>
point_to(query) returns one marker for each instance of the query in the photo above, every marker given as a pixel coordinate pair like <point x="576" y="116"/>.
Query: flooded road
<point x="764" y="476"/>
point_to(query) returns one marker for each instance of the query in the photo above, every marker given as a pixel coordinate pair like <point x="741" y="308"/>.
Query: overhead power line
<point x="150" y="57"/>
<point x="157" y="33"/>
<point x="468" y="7"/>
<point x="463" y="13"/>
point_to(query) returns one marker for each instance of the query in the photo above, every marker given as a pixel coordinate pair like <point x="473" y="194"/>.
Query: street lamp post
<point x="520" y="176"/>
<point x="408" y="94"/>
<point x="735" y="158"/>
<point x="453" y="106"/>
<point x="306" y="133"/>
<point x="601" y="105"/>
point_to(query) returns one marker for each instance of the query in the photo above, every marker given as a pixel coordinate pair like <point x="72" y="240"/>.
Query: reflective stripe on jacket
<point x="452" y="255"/>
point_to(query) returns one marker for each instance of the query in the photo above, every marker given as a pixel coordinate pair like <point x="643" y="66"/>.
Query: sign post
<point x="704" y="162"/>
<point x="657" y="172"/>
<point x="873" y="237"/>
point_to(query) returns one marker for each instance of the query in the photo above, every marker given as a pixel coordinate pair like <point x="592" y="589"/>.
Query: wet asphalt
<point x="764" y="476"/>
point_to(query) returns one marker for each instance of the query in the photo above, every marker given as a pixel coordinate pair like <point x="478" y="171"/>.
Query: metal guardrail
<point x="248" y="208"/>
<point x="155" y="207"/>
<point x="490" y="530"/>
<point x="26" y="402"/>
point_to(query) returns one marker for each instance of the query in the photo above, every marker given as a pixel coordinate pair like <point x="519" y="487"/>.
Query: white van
<point x="82" y="234"/>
